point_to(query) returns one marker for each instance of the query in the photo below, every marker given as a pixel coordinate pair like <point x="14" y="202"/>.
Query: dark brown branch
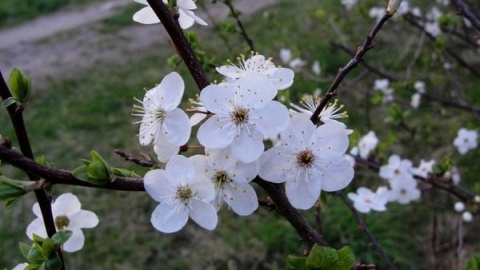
<point x="180" y="42"/>
<point x="365" y="230"/>
<point x="465" y="10"/>
<point x="410" y="19"/>
<point x="44" y="202"/>
<point x="448" y="103"/>
<point x="361" y="51"/>
<point x="129" y="157"/>
<point x="236" y="16"/>
<point x="55" y="176"/>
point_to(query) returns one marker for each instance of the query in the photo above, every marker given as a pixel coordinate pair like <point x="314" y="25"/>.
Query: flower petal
<point x="247" y="147"/>
<point x="170" y="91"/>
<point x="271" y="119"/>
<point x="282" y="78"/>
<point x="82" y="219"/>
<point x="146" y="15"/>
<point x="303" y="195"/>
<point x="218" y="98"/>
<point x="330" y="136"/>
<point x="203" y="213"/>
<point x="216" y="132"/>
<point x="177" y="127"/>
<point x="182" y="170"/>
<point x="165" y="150"/>
<point x="75" y="242"/>
<point x="66" y="204"/>
<point x="36" y="227"/>
<point x="277" y="164"/>
<point x="242" y="199"/>
<point x="253" y="91"/>
<point x="334" y="171"/>
<point x="157" y="185"/>
<point x="169" y="219"/>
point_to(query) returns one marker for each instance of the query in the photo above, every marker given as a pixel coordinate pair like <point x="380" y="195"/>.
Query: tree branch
<point x="465" y="10"/>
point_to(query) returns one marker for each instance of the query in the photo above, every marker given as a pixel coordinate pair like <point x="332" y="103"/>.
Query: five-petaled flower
<point x="365" y="200"/>
<point x="182" y="193"/>
<point x="310" y="159"/>
<point x="466" y="140"/>
<point x="68" y="215"/>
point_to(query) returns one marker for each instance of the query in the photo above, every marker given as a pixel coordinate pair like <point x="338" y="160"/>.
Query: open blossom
<point x="278" y="78"/>
<point x="310" y="159"/>
<point x="316" y="68"/>
<point x="367" y="144"/>
<point x="383" y="85"/>
<point x="467" y="216"/>
<point x="466" y="140"/>
<point x="231" y="179"/>
<point x="162" y="122"/>
<point x="365" y="200"/>
<point x="403" y="191"/>
<point x="397" y="170"/>
<point x="415" y="101"/>
<point x="182" y="193"/>
<point x="186" y="16"/>
<point x="243" y="113"/>
<point x="68" y="215"/>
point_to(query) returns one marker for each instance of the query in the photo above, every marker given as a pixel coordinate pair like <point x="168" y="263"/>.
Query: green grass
<point x="92" y="110"/>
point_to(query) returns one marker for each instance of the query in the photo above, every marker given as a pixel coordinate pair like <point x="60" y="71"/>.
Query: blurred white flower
<point x="459" y="207"/>
<point x="383" y="85"/>
<point x="68" y="215"/>
<point x="367" y="144"/>
<point x="424" y="169"/>
<point x="186" y="16"/>
<point x="397" y="170"/>
<point x="285" y="55"/>
<point x="466" y="140"/>
<point x="415" y="102"/>
<point x="348" y="4"/>
<point x="467" y="216"/>
<point x="433" y="28"/>
<point x="419" y="87"/>
<point x="297" y="63"/>
<point x="376" y="13"/>
<point x="316" y="68"/>
<point x="403" y="191"/>
<point x="365" y="200"/>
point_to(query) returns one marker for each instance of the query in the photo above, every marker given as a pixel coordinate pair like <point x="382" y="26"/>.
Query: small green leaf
<point x="80" y="173"/>
<point x="43" y="267"/>
<point x="97" y="173"/>
<point x="53" y="262"/>
<point x="35" y="255"/>
<point x="10" y="190"/>
<point x="346" y="258"/>
<point x="48" y="247"/>
<point x="473" y="263"/>
<point x="324" y="257"/>
<point x="9" y="101"/>
<point x="124" y="172"/>
<point x="296" y="263"/>
<point x="60" y="237"/>
<point x="24" y="249"/>
<point x="19" y="86"/>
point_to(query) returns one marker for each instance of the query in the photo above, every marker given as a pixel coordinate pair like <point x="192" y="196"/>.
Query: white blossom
<point x="243" y="113"/>
<point x="397" y="170"/>
<point x="309" y="160"/>
<point x="415" y="102"/>
<point x="367" y="144"/>
<point x="316" y="68"/>
<point x="433" y="28"/>
<point x="383" y="85"/>
<point x="329" y="113"/>
<point x="231" y="179"/>
<point x="365" y="200"/>
<point x="467" y="216"/>
<point x="425" y="168"/>
<point x="349" y="4"/>
<point x="419" y="87"/>
<point x="186" y="16"/>
<point x="459" y="207"/>
<point x="403" y="191"/>
<point x="297" y="63"/>
<point x="466" y="140"/>
<point x="285" y="55"/>
<point x="182" y="193"/>
<point x="68" y="215"/>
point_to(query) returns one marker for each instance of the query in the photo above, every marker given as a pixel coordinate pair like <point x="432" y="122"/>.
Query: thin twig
<point x="236" y="16"/>
<point x="365" y="229"/>
<point x="44" y="202"/>
<point x="361" y="51"/>
<point x="465" y="10"/>
<point x="146" y="162"/>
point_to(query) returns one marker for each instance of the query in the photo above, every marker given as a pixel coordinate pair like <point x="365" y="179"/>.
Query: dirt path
<point x="66" y="42"/>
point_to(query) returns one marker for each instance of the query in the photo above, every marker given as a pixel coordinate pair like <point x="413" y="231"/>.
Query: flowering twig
<point x="55" y="176"/>
<point x="16" y="118"/>
<point x="365" y="229"/>
<point x="145" y="162"/>
<point x="236" y="16"/>
<point x="361" y="51"/>
<point x="180" y="42"/>
<point x="465" y="10"/>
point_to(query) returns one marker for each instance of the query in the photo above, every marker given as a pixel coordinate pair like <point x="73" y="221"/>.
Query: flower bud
<point x="393" y="6"/>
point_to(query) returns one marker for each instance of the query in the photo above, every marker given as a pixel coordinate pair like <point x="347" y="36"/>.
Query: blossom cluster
<point x="236" y="116"/>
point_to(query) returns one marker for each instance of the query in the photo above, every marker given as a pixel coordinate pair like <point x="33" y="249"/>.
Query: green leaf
<point x="24" y="249"/>
<point x="124" y="172"/>
<point x="11" y="190"/>
<point x="48" y="248"/>
<point x="324" y="257"/>
<point x="346" y="258"/>
<point x="9" y="101"/>
<point x="19" y="86"/>
<point x="473" y="263"/>
<point x="60" y="237"/>
<point x="35" y="254"/>
<point x="296" y="263"/>
<point x="97" y="173"/>
<point x="53" y="262"/>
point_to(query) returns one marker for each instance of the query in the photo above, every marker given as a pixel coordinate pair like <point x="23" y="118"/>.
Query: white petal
<point x="330" y="136"/>
<point x="282" y="78"/>
<point x="302" y="195"/>
<point x="248" y="147"/>
<point x="75" y="242"/>
<point x="202" y="166"/>
<point x="36" y="227"/>
<point x="180" y="169"/>
<point x="335" y="172"/>
<point x="243" y="172"/>
<point x="216" y="132"/>
<point x="203" y="188"/>
<point x="242" y="199"/>
<point x="218" y="98"/>
<point x="168" y="218"/>
<point x="197" y="118"/>
<point x="253" y="91"/>
<point x="277" y="165"/>
<point x="204" y="214"/>
<point x="36" y="210"/>
<point x="170" y="91"/>
<point x="230" y="71"/>
<point x="271" y="119"/>
<point x="146" y="15"/>
<point x="194" y="17"/>
<point x="361" y="207"/>
<point x="186" y="4"/>
<point x="177" y="127"/>
<point x="82" y="219"/>
<point x="157" y="185"/>
<point x="184" y="19"/>
<point x="165" y="151"/>
<point x="66" y="204"/>
<point x="298" y="133"/>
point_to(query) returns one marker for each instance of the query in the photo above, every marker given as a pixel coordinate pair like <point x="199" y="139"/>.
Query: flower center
<point x="160" y="114"/>
<point x="220" y="178"/>
<point x="239" y="116"/>
<point x="184" y="193"/>
<point x="61" y="222"/>
<point x="305" y="158"/>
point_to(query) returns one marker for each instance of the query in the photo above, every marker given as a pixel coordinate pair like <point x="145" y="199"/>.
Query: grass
<point x="92" y="111"/>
